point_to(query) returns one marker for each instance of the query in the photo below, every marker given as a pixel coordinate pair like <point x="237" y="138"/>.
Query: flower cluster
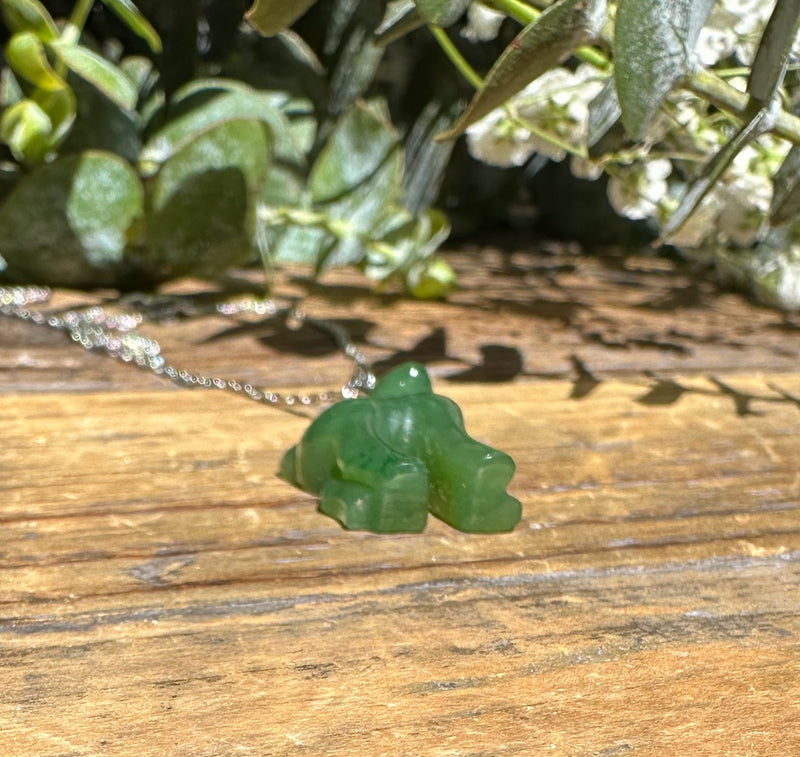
<point x="550" y="117"/>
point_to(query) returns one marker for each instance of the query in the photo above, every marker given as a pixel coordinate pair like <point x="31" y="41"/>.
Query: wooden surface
<point x="163" y="593"/>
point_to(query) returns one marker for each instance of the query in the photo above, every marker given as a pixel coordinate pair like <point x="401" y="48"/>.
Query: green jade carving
<point x="380" y="463"/>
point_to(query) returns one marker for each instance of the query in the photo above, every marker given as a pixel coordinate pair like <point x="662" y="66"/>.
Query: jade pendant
<point x="381" y="463"/>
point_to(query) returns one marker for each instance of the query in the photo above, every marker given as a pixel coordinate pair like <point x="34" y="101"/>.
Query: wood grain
<point x="163" y="593"/>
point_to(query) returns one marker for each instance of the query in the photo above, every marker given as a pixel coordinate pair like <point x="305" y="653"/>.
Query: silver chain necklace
<point x="116" y="335"/>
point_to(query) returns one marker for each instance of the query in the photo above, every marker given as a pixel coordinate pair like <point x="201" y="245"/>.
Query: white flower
<point x="776" y="278"/>
<point x="743" y="217"/>
<point x="717" y="39"/>
<point x="555" y="104"/>
<point x="752" y="17"/>
<point x="582" y="168"/>
<point x="701" y="226"/>
<point x="483" y="23"/>
<point x="637" y="192"/>
<point x="496" y="141"/>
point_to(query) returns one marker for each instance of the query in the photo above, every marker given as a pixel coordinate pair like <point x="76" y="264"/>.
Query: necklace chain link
<point x="116" y="334"/>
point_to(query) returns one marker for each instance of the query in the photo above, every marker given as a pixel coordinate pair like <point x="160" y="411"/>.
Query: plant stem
<point x="457" y="59"/>
<point x="77" y="20"/>
<point x="718" y="92"/>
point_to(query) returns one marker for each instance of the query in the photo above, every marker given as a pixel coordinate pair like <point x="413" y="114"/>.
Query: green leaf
<point x="100" y="124"/>
<point x="136" y="22"/>
<point x="29" y="16"/>
<point x="361" y="210"/>
<point x="774" y="50"/>
<point x="759" y="123"/>
<point x="430" y="279"/>
<point x="270" y="17"/>
<point x="66" y="224"/>
<point x="441" y="12"/>
<point x="653" y="45"/>
<point x="26" y="129"/>
<point x="99" y="72"/>
<point x="10" y="90"/>
<point x="283" y="188"/>
<point x="425" y="159"/>
<point x="201" y="215"/>
<point x="60" y="107"/>
<point x="401" y="18"/>
<point x="786" y="190"/>
<point x="540" y="46"/>
<point x="604" y="112"/>
<point x="224" y="105"/>
<point x="304" y="245"/>
<point x="25" y="54"/>
<point x="358" y="146"/>
<point x="34" y="127"/>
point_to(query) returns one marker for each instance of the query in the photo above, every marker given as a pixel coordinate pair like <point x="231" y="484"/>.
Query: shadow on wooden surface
<point x="163" y="593"/>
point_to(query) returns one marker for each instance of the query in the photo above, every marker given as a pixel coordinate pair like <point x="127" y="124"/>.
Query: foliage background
<point x="132" y="154"/>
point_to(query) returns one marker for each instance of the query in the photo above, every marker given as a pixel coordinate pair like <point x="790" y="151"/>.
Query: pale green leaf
<point x="441" y="12"/>
<point x="26" y="129"/>
<point x="136" y="22"/>
<point x="29" y="16"/>
<point x="653" y="45"/>
<point x="25" y="53"/>
<point x="99" y="72"/>
<point x="60" y="107"/>
<point x="361" y="210"/>
<point x="270" y="17"/>
<point x="430" y="279"/>
<point x="358" y="146"/>
<point x="401" y="18"/>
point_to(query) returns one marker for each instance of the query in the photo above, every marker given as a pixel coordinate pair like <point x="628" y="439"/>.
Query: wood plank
<point x="163" y="593"/>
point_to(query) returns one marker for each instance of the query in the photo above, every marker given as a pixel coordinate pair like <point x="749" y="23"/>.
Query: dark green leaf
<point x="786" y="190"/>
<point x="25" y="54"/>
<point x="99" y="72"/>
<point x="66" y="224"/>
<point x="759" y="123"/>
<point x="29" y="16"/>
<point x="540" y="46"/>
<point x="201" y="217"/>
<point x="425" y="159"/>
<point x="355" y="70"/>
<point x="769" y="65"/>
<point x="101" y="124"/>
<point x="604" y="112"/>
<point x="136" y="22"/>
<point x="271" y="17"/>
<point x="653" y="45"/>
